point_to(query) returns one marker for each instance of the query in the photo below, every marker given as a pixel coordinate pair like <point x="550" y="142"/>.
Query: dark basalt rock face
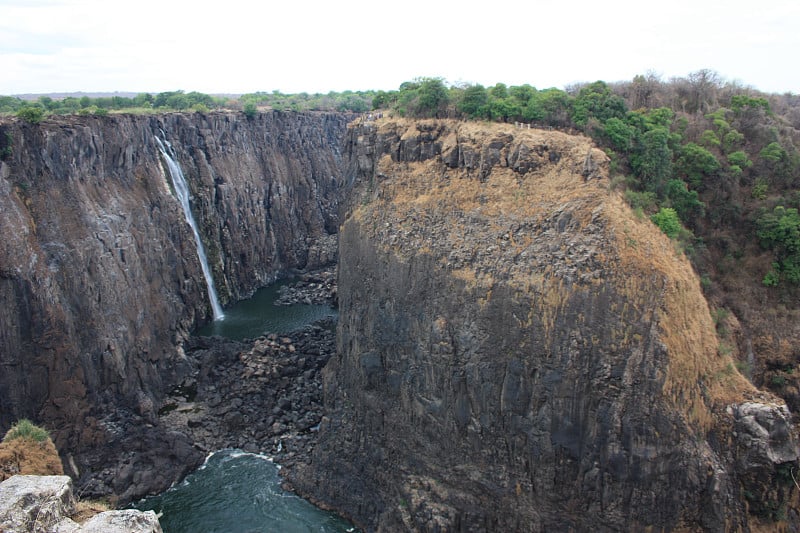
<point x="99" y="277"/>
<point x="518" y="352"/>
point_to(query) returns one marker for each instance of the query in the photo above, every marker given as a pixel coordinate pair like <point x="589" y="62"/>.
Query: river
<point x="235" y="491"/>
<point x="258" y="315"/>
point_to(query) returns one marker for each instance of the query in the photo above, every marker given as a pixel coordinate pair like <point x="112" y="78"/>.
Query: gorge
<point x="516" y="350"/>
<point x="101" y="281"/>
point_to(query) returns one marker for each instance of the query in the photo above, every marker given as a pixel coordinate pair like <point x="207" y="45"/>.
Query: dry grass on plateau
<point x="697" y="373"/>
<point x="430" y="185"/>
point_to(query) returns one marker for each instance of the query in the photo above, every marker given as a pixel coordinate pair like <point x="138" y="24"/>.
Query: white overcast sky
<point x="239" y="46"/>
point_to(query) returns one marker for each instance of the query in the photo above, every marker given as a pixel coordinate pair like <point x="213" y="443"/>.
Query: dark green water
<point x="258" y="315"/>
<point x="234" y="491"/>
<point x="238" y="492"/>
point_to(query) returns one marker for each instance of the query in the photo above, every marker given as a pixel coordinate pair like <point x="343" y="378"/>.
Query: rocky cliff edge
<point x="519" y="351"/>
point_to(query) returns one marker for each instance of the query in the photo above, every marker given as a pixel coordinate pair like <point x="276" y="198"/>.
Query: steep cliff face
<point x="99" y="276"/>
<point x="517" y="351"/>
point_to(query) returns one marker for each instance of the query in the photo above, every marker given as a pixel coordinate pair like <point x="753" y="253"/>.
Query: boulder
<point x="36" y="504"/>
<point x="123" y="521"/>
<point x="44" y="504"/>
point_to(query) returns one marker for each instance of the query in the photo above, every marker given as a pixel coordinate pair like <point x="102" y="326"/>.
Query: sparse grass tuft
<point x="25" y="429"/>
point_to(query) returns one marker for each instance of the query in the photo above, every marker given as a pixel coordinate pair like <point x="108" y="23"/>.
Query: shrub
<point x="780" y="231"/>
<point x="31" y="114"/>
<point x="760" y="189"/>
<point x="641" y="200"/>
<point x="696" y="163"/>
<point x="25" y="429"/>
<point x="6" y="143"/>
<point x="667" y="219"/>
<point x="685" y="202"/>
<point x="739" y="158"/>
<point x="250" y="110"/>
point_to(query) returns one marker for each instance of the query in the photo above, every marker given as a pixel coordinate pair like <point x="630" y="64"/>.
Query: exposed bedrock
<point x="517" y="351"/>
<point x="99" y="277"/>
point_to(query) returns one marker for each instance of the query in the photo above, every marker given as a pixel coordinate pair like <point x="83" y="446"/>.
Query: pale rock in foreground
<point x="40" y="504"/>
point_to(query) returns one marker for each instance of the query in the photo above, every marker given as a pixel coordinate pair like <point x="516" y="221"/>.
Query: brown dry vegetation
<point x="28" y="457"/>
<point x="426" y="207"/>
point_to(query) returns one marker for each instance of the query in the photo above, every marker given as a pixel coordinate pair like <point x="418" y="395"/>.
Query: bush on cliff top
<point x="25" y="429"/>
<point x="32" y="114"/>
<point x="27" y="449"/>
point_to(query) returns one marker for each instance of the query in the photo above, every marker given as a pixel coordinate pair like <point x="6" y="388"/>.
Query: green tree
<point x="739" y="158"/>
<point x="522" y="94"/>
<point x="731" y="140"/>
<point x="741" y="101"/>
<point x="686" y="203"/>
<point x="667" y="220"/>
<point x="779" y="231"/>
<point x="47" y="103"/>
<point x="143" y="100"/>
<point x="597" y="101"/>
<point x="383" y="99"/>
<point x="473" y="101"/>
<point x="31" y="114"/>
<point x="710" y="139"/>
<point x="696" y="164"/>
<point x="554" y="104"/>
<point x="432" y="96"/>
<point x="499" y="91"/>
<point x="10" y="104"/>
<point x="619" y="133"/>
<point x="503" y="109"/>
<point x="250" y="110"/>
<point x="652" y="160"/>
<point x="70" y="104"/>
<point x="773" y="153"/>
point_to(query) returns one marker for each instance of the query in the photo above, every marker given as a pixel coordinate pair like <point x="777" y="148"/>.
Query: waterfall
<point x="182" y="192"/>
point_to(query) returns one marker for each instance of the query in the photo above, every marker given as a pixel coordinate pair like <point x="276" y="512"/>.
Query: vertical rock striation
<point x="99" y="277"/>
<point x="517" y="351"/>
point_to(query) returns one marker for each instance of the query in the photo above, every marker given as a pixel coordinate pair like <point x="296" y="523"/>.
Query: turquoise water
<point x="258" y="315"/>
<point x="235" y="491"/>
<point x="238" y="492"/>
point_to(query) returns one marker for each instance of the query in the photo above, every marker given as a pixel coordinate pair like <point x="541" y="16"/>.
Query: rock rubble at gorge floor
<point x="262" y="395"/>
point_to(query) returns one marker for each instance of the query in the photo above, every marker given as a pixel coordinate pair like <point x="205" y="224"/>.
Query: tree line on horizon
<point x="696" y="154"/>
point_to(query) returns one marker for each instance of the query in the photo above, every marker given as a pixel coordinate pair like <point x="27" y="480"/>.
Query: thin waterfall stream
<point x="182" y="193"/>
<point x="236" y="491"/>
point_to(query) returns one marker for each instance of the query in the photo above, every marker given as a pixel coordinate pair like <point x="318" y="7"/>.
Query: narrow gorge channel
<point x="235" y="491"/>
<point x="102" y="283"/>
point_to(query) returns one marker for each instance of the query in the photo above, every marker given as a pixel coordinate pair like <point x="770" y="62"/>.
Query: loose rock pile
<point x="264" y="396"/>
<point x="317" y="288"/>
